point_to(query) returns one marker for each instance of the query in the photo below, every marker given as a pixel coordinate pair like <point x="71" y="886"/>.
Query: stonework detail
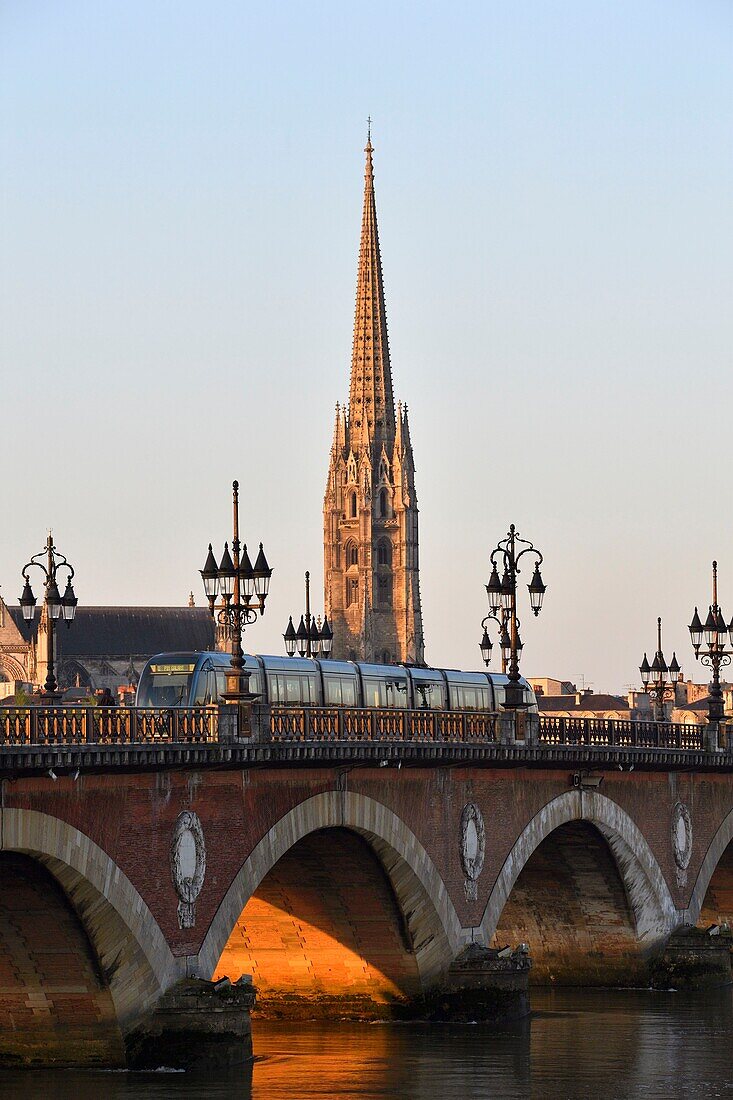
<point x="681" y="826"/>
<point x="370" y="515"/>
<point x="188" y="865"/>
<point x="473" y="848"/>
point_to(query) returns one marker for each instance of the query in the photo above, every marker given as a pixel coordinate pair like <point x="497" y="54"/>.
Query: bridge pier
<point x="196" y="1025"/>
<point x="694" y="958"/>
<point x="483" y="984"/>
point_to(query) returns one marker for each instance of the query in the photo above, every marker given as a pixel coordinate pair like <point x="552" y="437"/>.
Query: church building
<point x="370" y="515"/>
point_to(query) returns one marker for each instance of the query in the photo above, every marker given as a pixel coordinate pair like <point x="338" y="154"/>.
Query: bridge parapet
<point x="621" y="733"/>
<point x="224" y="732"/>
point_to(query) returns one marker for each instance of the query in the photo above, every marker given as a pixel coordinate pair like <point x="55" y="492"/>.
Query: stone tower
<point x="370" y="544"/>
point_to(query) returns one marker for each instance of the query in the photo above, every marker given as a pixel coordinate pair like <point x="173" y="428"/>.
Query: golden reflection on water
<point x="594" y="1045"/>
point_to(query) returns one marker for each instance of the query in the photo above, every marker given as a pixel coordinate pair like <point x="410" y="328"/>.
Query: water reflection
<point x="598" y="1044"/>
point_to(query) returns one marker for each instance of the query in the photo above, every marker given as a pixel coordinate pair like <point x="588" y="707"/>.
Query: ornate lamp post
<point x="716" y="654"/>
<point x="57" y="606"/>
<point x="502" y="595"/>
<point x="243" y="589"/>
<point x="657" y="679"/>
<point x="308" y="639"/>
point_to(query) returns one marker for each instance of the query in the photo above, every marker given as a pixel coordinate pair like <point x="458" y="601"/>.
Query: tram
<point x="197" y="679"/>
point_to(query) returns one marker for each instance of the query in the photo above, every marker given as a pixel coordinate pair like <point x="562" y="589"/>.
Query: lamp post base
<point x="514" y="696"/>
<point x="50" y="698"/>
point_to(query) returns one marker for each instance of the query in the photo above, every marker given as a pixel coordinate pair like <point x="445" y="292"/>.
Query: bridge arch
<point x="714" y="859"/>
<point x="133" y="954"/>
<point x="647" y="895"/>
<point x="420" y="893"/>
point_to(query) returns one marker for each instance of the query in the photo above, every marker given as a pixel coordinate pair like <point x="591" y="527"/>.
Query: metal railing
<point x="119" y="726"/>
<point x="362" y="724"/>
<point x="620" y="733"/>
<point x="58" y="726"/>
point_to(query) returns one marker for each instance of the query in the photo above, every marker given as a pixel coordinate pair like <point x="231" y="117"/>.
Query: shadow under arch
<point x="715" y="853"/>
<point x="133" y="954"/>
<point x="420" y="892"/>
<point x="646" y="889"/>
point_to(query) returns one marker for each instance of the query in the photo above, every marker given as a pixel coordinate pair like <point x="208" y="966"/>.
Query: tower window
<point x="352" y="591"/>
<point x="352" y="506"/>
<point x="384" y="591"/>
<point x="383" y="502"/>
<point x="384" y="553"/>
<point x="352" y="554"/>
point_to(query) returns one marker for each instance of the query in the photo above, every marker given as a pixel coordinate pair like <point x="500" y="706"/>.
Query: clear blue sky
<point x="180" y="193"/>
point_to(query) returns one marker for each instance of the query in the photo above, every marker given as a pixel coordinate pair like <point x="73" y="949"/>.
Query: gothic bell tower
<point x="370" y="539"/>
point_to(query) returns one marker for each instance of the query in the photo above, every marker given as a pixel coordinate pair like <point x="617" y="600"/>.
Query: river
<point x="578" y="1044"/>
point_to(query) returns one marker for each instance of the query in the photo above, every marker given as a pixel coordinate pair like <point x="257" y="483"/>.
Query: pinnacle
<point x="371" y="397"/>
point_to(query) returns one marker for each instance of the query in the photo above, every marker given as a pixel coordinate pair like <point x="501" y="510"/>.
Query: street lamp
<point x="485" y="645"/>
<point x="309" y="639"/>
<point x="658" y="679"/>
<point x="243" y="589"/>
<point x="58" y="607"/>
<point x="502" y="593"/>
<point x="717" y="650"/>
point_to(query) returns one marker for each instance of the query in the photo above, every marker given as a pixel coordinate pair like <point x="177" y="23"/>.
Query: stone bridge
<point x="348" y="878"/>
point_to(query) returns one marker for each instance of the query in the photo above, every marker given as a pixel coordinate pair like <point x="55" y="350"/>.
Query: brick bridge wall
<point x="588" y="878"/>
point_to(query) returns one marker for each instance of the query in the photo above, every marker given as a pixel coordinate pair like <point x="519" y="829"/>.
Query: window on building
<point x="384" y="591"/>
<point x="384" y="552"/>
<point x="352" y="554"/>
<point x="352" y="591"/>
<point x="383" y="502"/>
<point x="352" y="506"/>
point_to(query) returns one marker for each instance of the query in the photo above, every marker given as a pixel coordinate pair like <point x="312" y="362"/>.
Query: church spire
<point x="370" y="398"/>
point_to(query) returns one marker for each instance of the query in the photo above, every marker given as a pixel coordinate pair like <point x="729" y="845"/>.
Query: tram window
<point x="205" y="687"/>
<point x="429" y="694"/>
<point x="374" y="693"/>
<point x="340" y="691"/>
<point x="471" y="697"/>
<point x="273" y="688"/>
<point x="332" y="691"/>
<point x="293" y="689"/>
<point x="385" y="693"/>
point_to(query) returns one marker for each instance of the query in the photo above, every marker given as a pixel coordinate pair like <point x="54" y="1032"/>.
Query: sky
<point x="180" y="201"/>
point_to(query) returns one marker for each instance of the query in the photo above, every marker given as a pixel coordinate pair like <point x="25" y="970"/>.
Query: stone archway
<point x="133" y="954"/>
<point x="718" y="858"/>
<point x="430" y="919"/>
<point x="621" y="855"/>
<point x="10" y="669"/>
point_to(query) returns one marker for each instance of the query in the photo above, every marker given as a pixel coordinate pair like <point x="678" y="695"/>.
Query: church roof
<point x="371" y="401"/>
<point x="132" y="631"/>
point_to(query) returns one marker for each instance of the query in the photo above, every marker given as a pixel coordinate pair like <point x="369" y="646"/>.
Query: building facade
<point x="370" y="515"/>
<point x="105" y="647"/>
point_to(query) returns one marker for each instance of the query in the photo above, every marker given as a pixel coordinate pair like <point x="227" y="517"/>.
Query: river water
<point x="595" y="1044"/>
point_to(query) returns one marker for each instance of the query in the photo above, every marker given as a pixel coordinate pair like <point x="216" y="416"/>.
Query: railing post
<point x="228" y="723"/>
<point x="507" y="727"/>
<point x="711" y="737"/>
